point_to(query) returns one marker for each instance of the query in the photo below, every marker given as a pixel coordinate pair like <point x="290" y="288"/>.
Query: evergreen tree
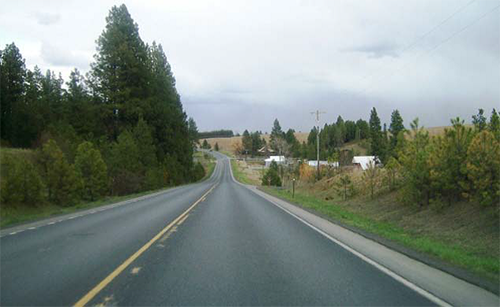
<point x="21" y="183"/>
<point x="293" y="143"/>
<point x="64" y="186"/>
<point x="364" y="129"/>
<point x="246" y="142"/>
<point x="483" y="165"/>
<point x="205" y="145"/>
<point x="256" y="142"/>
<point x="276" y="135"/>
<point x="198" y="172"/>
<point x="479" y="120"/>
<point x="341" y="130"/>
<point x="120" y="74"/>
<point x="395" y="128"/>
<point x="271" y="177"/>
<point x="80" y="112"/>
<point x="494" y="125"/>
<point x="416" y="170"/>
<point x="371" y="176"/>
<point x="167" y="118"/>
<point x="145" y="146"/>
<point x="3" y="100"/>
<point x="125" y="165"/>
<point x="447" y="160"/>
<point x="376" y="136"/>
<point x="193" y="132"/>
<point x="392" y="168"/>
<point x="216" y="147"/>
<point x="92" y="170"/>
<point x="12" y="75"/>
<point x="350" y="128"/>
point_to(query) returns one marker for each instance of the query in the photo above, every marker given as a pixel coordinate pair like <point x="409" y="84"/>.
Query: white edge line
<point x="377" y="265"/>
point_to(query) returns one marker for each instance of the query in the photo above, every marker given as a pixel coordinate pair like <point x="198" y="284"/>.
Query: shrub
<point x="92" y="170"/>
<point x="64" y="186"/>
<point x="21" y="183"/>
<point x="271" y="177"/>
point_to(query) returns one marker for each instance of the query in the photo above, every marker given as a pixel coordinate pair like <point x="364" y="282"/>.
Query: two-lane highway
<point x="212" y="243"/>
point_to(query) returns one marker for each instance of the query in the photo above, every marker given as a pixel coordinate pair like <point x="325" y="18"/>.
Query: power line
<point x="428" y="51"/>
<point x="423" y="36"/>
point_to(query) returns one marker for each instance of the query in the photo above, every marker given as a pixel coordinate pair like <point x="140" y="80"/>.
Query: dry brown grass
<point x="228" y="144"/>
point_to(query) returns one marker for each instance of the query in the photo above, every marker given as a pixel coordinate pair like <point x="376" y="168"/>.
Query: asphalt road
<point x="187" y="247"/>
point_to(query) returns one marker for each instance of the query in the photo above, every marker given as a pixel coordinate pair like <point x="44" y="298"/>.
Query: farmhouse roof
<point x="364" y="161"/>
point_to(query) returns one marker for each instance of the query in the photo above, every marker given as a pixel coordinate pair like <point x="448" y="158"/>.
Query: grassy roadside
<point x="239" y="174"/>
<point x="10" y="216"/>
<point x="467" y="258"/>
<point x="208" y="162"/>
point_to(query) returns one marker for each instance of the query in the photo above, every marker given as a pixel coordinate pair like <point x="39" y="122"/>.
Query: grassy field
<point x="465" y="235"/>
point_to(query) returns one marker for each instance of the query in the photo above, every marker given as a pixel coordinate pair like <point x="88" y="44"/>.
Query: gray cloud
<point x="377" y="50"/>
<point x="240" y="64"/>
<point x="47" y="19"/>
<point x="57" y="56"/>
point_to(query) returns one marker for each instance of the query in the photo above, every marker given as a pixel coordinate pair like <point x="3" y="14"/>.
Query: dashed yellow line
<point x="89" y="296"/>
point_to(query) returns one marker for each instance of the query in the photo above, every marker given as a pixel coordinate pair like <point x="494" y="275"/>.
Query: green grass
<point x="15" y="215"/>
<point x="227" y="153"/>
<point x="239" y="175"/>
<point x="486" y="266"/>
<point x="209" y="166"/>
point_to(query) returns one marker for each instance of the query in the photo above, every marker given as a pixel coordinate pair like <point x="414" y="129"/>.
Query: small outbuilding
<point x="277" y="159"/>
<point x="364" y="161"/>
<point x="314" y="163"/>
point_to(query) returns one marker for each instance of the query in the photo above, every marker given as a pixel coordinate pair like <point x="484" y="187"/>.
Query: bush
<point x="156" y="178"/>
<point x="21" y="183"/>
<point x="92" y="170"/>
<point x="198" y="172"/>
<point x="271" y="177"/>
<point x="64" y="186"/>
<point x="483" y="167"/>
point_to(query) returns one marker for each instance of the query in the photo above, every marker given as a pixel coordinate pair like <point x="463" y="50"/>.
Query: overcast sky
<point x="240" y="64"/>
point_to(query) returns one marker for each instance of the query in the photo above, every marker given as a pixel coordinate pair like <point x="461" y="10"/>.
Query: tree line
<point x="119" y="129"/>
<point x="462" y="164"/>
<point x="216" y="134"/>
<point x="332" y="137"/>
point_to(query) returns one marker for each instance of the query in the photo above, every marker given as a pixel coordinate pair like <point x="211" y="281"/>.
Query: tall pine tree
<point x="395" y="128"/>
<point x="376" y="135"/>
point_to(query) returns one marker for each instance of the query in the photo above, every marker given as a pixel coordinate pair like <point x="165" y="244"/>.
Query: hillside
<point x="227" y="144"/>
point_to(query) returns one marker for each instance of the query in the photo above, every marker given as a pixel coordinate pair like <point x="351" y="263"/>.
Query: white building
<point x="364" y="161"/>
<point x="277" y="159"/>
<point x="314" y="163"/>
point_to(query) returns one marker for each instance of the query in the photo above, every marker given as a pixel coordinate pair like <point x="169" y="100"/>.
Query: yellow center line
<point x="89" y="296"/>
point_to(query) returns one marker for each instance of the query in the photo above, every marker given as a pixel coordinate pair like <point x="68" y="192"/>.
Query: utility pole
<point x="317" y="113"/>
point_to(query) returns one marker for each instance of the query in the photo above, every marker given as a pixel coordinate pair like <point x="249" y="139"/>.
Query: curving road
<point x="211" y="243"/>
